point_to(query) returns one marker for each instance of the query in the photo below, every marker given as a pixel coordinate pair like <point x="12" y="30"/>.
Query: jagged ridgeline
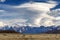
<point x="31" y="30"/>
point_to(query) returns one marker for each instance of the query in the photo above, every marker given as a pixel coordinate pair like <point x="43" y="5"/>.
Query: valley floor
<point x="16" y="36"/>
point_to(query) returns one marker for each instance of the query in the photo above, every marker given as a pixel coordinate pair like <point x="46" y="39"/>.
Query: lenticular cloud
<point x="38" y="13"/>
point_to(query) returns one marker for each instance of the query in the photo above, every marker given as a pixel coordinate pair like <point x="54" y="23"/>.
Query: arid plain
<point x="17" y="36"/>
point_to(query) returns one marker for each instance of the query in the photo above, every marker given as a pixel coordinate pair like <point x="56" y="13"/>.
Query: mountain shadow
<point x="8" y="31"/>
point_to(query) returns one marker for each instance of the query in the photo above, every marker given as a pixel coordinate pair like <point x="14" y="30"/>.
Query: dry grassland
<point x="16" y="36"/>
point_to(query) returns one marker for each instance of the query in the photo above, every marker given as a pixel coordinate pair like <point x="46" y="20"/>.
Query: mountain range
<point x="32" y="30"/>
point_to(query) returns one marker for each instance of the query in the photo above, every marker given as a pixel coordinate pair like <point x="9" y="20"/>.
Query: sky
<point x="34" y="13"/>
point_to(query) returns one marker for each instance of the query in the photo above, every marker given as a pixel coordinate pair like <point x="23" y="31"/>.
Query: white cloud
<point x="52" y="1"/>
<point x="48" y="23"/>
<point x="2" y="24"/>
<point x="12" y="22"/>
<point x="35" y="14"/>
<point x="56" y="15"/>
<point x="40" y="8"/>
<point x="37" y="6"/>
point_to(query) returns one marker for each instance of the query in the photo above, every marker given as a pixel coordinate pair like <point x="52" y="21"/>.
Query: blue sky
<point x="30" y="12"/>
<point x="15" y="2"/>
